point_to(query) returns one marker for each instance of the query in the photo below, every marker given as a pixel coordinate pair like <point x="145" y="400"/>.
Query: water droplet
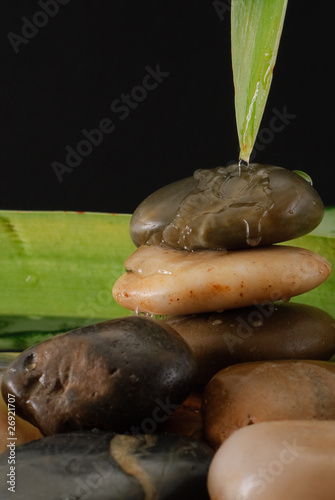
<point x="252" y="240"/>
<point x="242" y="163"/>
<point x="267" y="75"/>
<point x="164" y="271"/>
<point x="31" y="280"/>
<point x="304" y="176"/>
<point x="285" y="300"/>
<point x="217" y="322"/>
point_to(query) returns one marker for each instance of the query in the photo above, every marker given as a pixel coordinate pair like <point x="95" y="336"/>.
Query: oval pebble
<point x="104" y="466"/>
<point x="250" y="393"/>
<point x="228" y="208"/>
<point x="168" y="281"/>
<point x="276" y="460"/>
<point x="113" y="376"/>
<point x="256" y="333"/>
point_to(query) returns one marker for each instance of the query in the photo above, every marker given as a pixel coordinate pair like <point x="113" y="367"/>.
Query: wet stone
<point x="116" y="375"/>
<point x="257" y="333"/>
<point x="170" y="281"/>
<point x="105" y="466"/>
<point x="251" y="393"/>
<point x="228" y="208"/>
<point x="187" y="419"/>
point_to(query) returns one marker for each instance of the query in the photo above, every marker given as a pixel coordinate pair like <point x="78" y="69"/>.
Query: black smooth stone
<point x="110" y="376"/>
<point x="107" y="466"/>
<point x="229" y="208"/>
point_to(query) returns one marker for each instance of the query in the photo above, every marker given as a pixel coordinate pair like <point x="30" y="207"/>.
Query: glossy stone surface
<point x="104" y="466"/>
<point x="256" y="333"/>
<point x="187" y="419"/>
<point x="276" y="460"/>
<point x="250" y="393"/>
<point x="168" y="281"/>
<point x="113" y="376"/>
<point x="228" y="208"/>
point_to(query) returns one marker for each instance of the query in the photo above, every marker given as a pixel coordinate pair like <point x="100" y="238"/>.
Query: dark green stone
<point x="81" y="466"/>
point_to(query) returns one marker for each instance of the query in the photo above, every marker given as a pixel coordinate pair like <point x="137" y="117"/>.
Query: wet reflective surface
<point x="106" y="466"/>
<point x="231" y="207"/>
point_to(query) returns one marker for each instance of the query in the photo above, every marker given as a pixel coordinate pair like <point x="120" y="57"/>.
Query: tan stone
<point x="292" y="460"/>
<point x="169" y="281"/>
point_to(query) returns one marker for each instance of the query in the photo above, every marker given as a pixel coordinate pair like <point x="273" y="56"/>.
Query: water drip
<point x="242" y="163"/>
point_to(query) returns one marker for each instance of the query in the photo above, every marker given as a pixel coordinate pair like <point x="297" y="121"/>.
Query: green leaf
<point x="62" y="263"/>
<point x="256" y="27"/>
<point x="19" y="332"/>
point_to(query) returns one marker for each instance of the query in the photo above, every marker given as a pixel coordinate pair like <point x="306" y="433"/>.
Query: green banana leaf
<point x="256" y="27"/>
<point x="57" y="271"/>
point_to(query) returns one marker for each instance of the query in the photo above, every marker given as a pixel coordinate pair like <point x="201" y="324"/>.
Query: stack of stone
<point x="135" y="408"/>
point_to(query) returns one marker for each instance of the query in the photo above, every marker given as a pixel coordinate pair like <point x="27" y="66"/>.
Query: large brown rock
<point x="250" y="393"/>
<point x="256" y="333"/>
<point x="122" y="375"/>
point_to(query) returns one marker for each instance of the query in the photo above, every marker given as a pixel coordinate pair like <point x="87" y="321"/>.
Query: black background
<point x="64" y="79"/>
